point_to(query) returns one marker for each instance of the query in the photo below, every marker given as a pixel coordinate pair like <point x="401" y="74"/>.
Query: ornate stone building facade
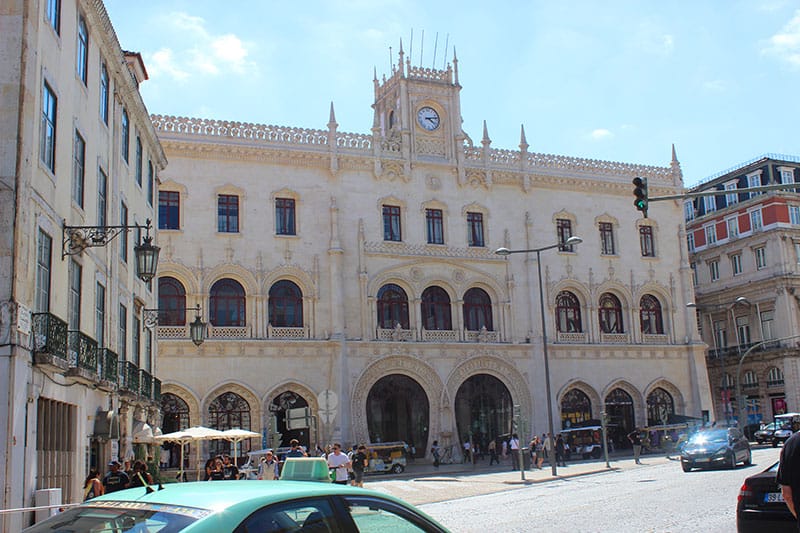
<point x="355" y="274"/>
<point x="77" y="375"/>
<point x="745" y="256"/>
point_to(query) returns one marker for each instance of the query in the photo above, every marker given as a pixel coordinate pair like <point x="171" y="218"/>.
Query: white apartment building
<point x="355" y="275"/>
<point x="78" y="179"/>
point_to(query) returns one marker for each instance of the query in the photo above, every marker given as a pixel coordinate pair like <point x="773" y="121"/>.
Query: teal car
<point x="241" y="507"/>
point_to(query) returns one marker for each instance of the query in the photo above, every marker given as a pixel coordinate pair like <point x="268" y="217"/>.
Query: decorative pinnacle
<point x="332" y="120"/>
<point x="523" y="142"/>
<point x="486" y="140"/>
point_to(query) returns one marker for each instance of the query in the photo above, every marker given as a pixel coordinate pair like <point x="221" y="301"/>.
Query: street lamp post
<point x="538" y="251"/>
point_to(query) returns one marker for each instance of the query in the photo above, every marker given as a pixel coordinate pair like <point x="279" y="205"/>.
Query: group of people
<point x="221" y="468"/>
<point x="346" y="468"/>
<point x="134" y="474"/>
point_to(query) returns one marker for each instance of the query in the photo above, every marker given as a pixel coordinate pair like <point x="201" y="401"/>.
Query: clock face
<point x="428" y="118"/>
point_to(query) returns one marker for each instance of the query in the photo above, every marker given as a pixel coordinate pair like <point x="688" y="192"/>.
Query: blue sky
<point x="614" y="80"/>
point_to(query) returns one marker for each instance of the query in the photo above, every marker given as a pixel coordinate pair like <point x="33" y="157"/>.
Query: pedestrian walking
<point x="561" y="451"/>
<point x="493" y="452"/>
<point x="92" y="487"/>
<point x="788" y="476"/>
<point x="268" y="469"/>
<point x="547" y="445"/>
<point x="636" y="439"/>
<point x="339" y="462"/>
<point x="436" y="453"/>
<point x="359" y="463"/>
<point x="513" y="446"/>
<point x="116" y="478"/>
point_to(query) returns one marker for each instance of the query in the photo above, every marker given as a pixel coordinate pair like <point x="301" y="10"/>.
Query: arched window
<point x="175" y="413"/>
<point x="227" y="305"/>
<point x="750" y="380"/>
<point x="171" y="302"/>
<point x="576" y="407"/>
<point x="435" y="308"/>
<point x="660" y="406"/>
<point x="392" y="307"/>
<point x="610" y="314"/>
<point x="568" y="313"/>
<point x="477" y="310"/>
<point x="228" y="411"/>
<point x="650" y="315"/>
<point x="728" y="382"/>
<point x="285" y="305"/>
<point x="774" y="377"/>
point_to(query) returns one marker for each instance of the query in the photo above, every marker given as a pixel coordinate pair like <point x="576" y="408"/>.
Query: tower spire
<point x="486" y="140"/>
<point x="523" y="142"/>
<point x="455" y="65"/>
<point x="332" y="120"/>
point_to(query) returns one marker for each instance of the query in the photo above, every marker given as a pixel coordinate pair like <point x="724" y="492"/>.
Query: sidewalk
<point x="421" y="483"/>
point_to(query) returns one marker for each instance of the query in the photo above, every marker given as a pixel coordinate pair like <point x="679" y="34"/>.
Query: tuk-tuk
<point x="785" y="425"/>
<point x="584" y="441"/>
<point x="387" y="457"/>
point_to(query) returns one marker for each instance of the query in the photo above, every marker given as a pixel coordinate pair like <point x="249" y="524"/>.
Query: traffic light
<point x="640" y="192"/>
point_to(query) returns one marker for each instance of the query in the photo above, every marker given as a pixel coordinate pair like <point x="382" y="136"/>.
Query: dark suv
<point x="715" y="447"/>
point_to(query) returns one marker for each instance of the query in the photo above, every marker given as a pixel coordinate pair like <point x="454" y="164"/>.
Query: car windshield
<point x="96" y="518"/>
<point x="714" y="436"/>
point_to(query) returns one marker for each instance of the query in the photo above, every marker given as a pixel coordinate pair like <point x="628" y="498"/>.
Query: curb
<point x="567" y="476"/>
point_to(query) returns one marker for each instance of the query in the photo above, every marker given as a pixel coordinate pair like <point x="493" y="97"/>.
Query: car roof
<point x="218" y="495"/>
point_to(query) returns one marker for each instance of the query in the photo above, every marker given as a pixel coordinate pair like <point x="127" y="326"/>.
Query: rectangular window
<point x="761" y="257"/>
<point x="57" y="436"/>
<point x="123" y="237"/>
<point x="285" y="216"/>
<point x="720" y="334"/>
<point x="710" y="203"/>
<point x="794" y="215"/>
<point x="391" y="223"/>
<point x="767" y="325"/>
<point x="754" y="180"/>
<point x="100" y="315"/>
<point x="122" y="341"/>
<point x="564" y="232"/>
<point x="78" y="169"/>
<point x="74" y="301"/>
<point x="607" y="238"/>
<point x="44" y="253"/>
<point x="693" y="266"/>
<point x="711" y="234"/>
<point x="690" y="241"/>
<point x="736" y="264"/>
<point x="104" y="92"/>
<point x="102" y="198"/>
<point x="125" y="137"/>
<point x="53" y="14"/>
<point x="786" y="176"/>
<point x="82" y="59"/>
<point x="47" y="146"/>
<point x="733" y="227"/>
<point x="755" y="220"/>
<point x="137" y="342"/>
<point x="646" y="241"/>
<point x="743" y="329"/>
<point x="151" y="182"/>
<point x="688" y="210"/>
<point x="138" y="161"/>
<point x="713" y="270"/>
<point x="475" y="229"/>
<point x="731" y="197"/>
<point x="169" y="210"/>
<point x="148" y="350"/>
<point x="434" y="225"/>
<point x="228" y="213"/>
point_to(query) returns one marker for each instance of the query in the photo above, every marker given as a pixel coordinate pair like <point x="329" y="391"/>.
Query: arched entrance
<point x="483" y="410"/>
<point x="229" y="411"/>
<point x="660" y="407"/>
<point x="398" y="410"/>
<point x="621" y="420"/>
<point x="576" y="409"/>
<point x="282" y="403"/>
<point x="175" y="417"/>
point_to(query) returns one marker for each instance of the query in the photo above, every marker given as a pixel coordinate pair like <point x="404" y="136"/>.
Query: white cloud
<point x="786" y="44"/>
<point x="715" y="85"/>
<point x="197" y="51"/>
<point x="601" y="134"/>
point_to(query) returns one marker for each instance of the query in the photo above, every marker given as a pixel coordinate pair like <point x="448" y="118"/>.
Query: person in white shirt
<point x="513" y="445"/>
<point x="340" y="463"/>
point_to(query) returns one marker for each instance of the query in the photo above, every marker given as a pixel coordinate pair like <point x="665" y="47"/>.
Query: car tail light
<point x="745" y="492"/>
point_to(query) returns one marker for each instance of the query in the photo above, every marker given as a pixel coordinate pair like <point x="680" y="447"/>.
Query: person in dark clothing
<point x="561" y="451"/>
<point x="636" y="439"/>
<point x="788" y="476"/>
<point x="116" y="479"/>
<point x="359" y="463"/>
<point x="141" y="477"/>
<point x="229" y="470"/>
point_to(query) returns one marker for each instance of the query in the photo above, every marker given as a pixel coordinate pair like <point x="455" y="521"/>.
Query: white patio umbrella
<point x="193" y="434"/>
<point x="235" y="436"/>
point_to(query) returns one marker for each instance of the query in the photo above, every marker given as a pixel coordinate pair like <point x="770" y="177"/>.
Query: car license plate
<point x="702" y="460"/>
<point x="773" y="497"/>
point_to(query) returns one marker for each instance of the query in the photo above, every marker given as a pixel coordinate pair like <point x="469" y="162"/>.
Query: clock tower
<point x="418" y="114"/>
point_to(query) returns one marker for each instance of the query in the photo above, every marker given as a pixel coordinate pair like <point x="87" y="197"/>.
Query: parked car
<point x="785" y="425"/>
<point x="240" y="507"/>
<point x="715" y="447"/>
<point x="760" y="506"/>
<point x="764" y="433"/>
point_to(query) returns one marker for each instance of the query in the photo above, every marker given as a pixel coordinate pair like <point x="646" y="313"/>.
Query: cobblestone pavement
<point x="421" y="483"/>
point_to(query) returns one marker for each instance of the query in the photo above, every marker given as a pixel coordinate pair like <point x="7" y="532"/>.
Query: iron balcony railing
<point x="739" y="349"/>
<point x="145" y="383"/>
<point x="82" y="351"/>
<point x="50" y="335"/>
<point x="128" y="377"/>
<point x="109" y="363"/>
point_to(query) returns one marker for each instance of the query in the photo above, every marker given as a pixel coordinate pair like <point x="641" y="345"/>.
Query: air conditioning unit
<point x="49" y="500"/>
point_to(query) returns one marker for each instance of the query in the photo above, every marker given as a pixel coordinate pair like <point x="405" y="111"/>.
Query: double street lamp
<point x="538" y="251"/>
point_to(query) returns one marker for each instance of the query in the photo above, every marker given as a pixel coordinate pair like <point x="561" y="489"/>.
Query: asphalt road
<point x="655" y="497"/>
